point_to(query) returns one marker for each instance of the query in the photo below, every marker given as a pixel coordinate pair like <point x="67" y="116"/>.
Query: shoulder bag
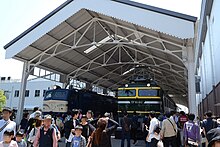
<point x="4" y="126"/>
<point x="172" y="125"/>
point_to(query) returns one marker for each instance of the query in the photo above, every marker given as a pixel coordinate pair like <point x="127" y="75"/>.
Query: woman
<point x="101" y="137"/>
<point x="33" y="133"/>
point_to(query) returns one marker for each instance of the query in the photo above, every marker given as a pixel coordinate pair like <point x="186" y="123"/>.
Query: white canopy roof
<point x="102" y="41"/>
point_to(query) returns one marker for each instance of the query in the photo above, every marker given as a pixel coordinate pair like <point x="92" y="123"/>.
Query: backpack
<point x="32" y="135"/>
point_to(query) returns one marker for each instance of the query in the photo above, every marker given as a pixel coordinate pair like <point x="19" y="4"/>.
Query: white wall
<point x="31" y="101"/>
<point x="210" y="75"/>
<point x="215" y="24"/>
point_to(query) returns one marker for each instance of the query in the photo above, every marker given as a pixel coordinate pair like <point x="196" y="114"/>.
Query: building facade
<point x="207" y="58"/>
<point x="33" y="95"/>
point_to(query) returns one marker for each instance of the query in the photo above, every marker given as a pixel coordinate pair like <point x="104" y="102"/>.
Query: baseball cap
<point x="213" y="135"/>
<point x="79" y="127"/>
<point x="84" y="116"/>
<point x="218" y="121"/>
<point x="7" y="109"/>
<point x="48" y="117"/>
<point x="107" y="114"/>
<point x="37" y="114"/>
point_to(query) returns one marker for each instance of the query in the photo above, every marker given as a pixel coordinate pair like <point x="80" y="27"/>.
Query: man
<point x="208" y="123"/>
<point x="126" y="125"/>
<point x="33" y="114"/>
<point x="182" y="120"/>
<point x="154" y="123"/>
<point x="69" y="126"/>
<point x="46" y="136"/>
<point x="213" y="137"/>
<point x="145" y="126"/>
<point x="169" y="131"/>
<point x="134" y="127"/>
<point x="191" y="132"/>
<point x="24" y="122"/>
<point x="32" y="121"/>
<point x="89" y="115"/>
<point x="6" y="123"/>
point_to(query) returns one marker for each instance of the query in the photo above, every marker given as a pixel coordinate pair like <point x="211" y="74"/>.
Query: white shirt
<point x="32" y="115"/>
<point x="74" y="123"/>
<point x="10" y="126"/>
<point x="153" y="123"/>
<point x="11" y="144"/>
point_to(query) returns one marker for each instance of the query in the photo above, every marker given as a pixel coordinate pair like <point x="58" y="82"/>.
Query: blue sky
<point x="18" y="15"/>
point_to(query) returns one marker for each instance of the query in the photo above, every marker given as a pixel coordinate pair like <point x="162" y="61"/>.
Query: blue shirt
<point x="22" y="143"/>
<point x="209" y="124"/>
<point x="76" y="141"/>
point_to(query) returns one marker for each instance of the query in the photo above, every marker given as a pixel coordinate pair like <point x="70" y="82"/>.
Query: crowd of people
<point x="172" y="129"/>
<point x="36" y="130"/>
<point x="176" y="129"/>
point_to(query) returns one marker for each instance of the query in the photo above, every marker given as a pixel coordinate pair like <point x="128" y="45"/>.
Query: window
<point x="27" y="93"/>
<point x="37" y="93"/>
<point x="126" y="92"/>
<point x="16" y="93"/>
<point x="44" y="92"/>
<point x="147" y="92"/>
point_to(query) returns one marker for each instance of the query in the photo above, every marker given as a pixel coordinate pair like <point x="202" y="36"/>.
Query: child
<point x="78" y="140"/>
<point x="85" y="125"/>
<point x="19" y="139"/>
<point x="7" y="139"/>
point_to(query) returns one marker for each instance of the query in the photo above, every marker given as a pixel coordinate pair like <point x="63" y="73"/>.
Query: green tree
<point x="2" y="99"/>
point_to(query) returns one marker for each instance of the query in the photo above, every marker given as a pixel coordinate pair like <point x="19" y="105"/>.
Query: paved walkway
<point x="116" y="143"/>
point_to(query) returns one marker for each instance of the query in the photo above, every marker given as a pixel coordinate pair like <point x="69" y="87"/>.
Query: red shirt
<point x="182" y="120"/>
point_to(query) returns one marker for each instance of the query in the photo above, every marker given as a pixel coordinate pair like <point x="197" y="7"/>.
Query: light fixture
<point x="126" y="85"/>
<point x="90" y="49"/>
<point x="95" y="45"/>
<point x="128" y="71"/>
<point x="148" y="84"/>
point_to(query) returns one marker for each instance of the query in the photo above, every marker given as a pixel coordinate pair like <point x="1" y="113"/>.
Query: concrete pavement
<point x="117" y="143"/>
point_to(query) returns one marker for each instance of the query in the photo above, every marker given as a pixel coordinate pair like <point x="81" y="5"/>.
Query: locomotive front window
<point x="147" y="92"/>
<point x="59" y="94"/>
<point x="56" y="95"/>
<point x="126" y="93"/>
<point x="48" y="95"/>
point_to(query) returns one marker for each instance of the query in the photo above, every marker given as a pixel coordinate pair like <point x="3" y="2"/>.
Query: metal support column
<point x="25" y="75"/>
<point x="191" y="81"/>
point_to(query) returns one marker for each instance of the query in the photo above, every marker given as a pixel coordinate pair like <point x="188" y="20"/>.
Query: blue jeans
<point x="147" y="144"/>
<point x="68" y="144"/>
<point x="125" y="135"/>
